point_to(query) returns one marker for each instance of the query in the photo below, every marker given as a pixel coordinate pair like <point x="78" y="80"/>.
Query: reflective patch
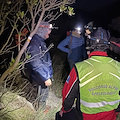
<point x="68" y="78"/>
<point x="98" y="104"/>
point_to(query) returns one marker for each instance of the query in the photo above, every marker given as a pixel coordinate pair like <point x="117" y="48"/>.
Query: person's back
<point x="99" y="80"/>
<point x="75" y="48"/>
<point x="99" y="85"/>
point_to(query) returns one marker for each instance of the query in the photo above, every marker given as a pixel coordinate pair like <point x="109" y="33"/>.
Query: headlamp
<point x="51" y="26"/>
<point x="89" y="27"/>
<point x="79" y="30"/>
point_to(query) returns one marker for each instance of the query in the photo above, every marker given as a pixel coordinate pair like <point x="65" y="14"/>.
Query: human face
<point x="48" y="33"/>
<point x="77" y="32"/>
<point x="88" y="31"/>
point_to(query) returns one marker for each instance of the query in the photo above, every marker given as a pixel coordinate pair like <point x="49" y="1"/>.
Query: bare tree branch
<point x="42" y="8"/>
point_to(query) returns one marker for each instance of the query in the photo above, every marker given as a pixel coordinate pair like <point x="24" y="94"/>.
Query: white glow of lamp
<point x="79" y="30"/>
<point x="51" y="26"/>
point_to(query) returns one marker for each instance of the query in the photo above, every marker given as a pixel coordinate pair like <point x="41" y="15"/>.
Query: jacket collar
<point x="98" y="53"/>
<point x="38" y="39"/>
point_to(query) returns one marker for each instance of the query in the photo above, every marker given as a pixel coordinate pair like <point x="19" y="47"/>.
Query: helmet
<point x="89" y="26"/>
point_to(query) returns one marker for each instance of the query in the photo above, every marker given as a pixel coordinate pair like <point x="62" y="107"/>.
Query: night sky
<point x="97" y="10"/>
<point x="100" y="11"/>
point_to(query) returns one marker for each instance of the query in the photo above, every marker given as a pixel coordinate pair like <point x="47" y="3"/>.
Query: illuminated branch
<point x="38" y="12"/>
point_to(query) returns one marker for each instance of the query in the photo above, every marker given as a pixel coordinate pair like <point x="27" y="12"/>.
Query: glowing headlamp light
<point x="79" y="30"/>
<point x="51" y="26"/>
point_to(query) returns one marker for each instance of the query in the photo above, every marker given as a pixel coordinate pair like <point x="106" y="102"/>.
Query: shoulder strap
<point x="70" y="40"/>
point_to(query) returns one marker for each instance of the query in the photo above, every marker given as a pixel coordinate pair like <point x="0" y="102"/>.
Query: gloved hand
<point x="48" y="82"/>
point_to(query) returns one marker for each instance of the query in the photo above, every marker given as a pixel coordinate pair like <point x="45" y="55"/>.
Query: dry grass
<point x="21" y="86"/>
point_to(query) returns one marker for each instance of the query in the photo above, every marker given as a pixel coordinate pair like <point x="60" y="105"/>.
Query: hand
<point x="48" y="82"/>
<point x="89" y="36"/>
<point x="61" y="113"/>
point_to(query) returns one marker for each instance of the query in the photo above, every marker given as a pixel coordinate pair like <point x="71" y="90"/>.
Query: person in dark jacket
<point x="91" y="91"/>
<point x="39" y="69"/>
<point x="74" y="45"/>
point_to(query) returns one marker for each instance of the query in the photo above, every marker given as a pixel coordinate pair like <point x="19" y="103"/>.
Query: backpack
<point x="99" y="40"/>
<point x="101" y="33"/>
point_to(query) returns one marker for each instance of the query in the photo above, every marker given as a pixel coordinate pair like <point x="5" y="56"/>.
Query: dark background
<point x="100" y="11"/>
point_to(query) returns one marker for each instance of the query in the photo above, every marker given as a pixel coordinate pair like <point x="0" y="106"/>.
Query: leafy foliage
<point x="20" y="14"/>
<point x="70" y="11"/>
<point x="62" y="8"/>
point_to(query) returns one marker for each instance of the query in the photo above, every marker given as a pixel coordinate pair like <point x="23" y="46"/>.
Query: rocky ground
<point x="54" y="101"/>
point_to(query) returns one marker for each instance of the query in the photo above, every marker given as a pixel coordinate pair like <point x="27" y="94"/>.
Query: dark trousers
<point x="42" y="95"/>
<point x="71" y="64"/>
<point x="72" y="115"/>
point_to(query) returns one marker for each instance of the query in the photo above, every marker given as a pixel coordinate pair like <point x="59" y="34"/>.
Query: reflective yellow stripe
<point x="115" y="75"/>
<point x="86" y="75"/>
<point x="88" y="63"/>
<point x="95" y="60"/>
<point x="89" y="80"/>
<point x="98" y="104"/>
<point x="110" y="61"/>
